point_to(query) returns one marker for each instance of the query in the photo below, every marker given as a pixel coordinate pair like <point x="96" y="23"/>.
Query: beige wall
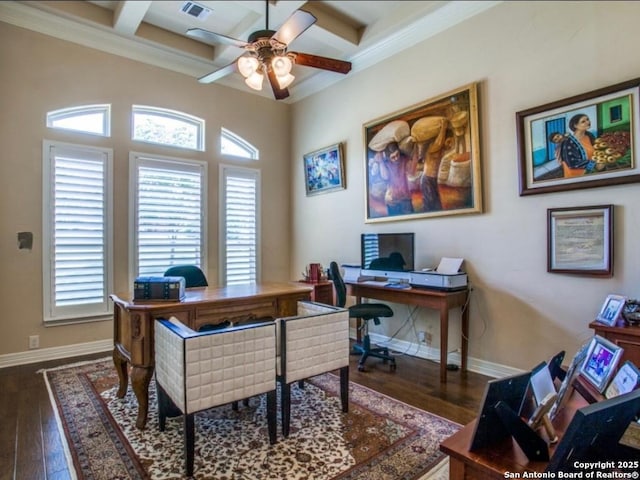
<point x="523" y="54"/>
<point x="39" y="74"/>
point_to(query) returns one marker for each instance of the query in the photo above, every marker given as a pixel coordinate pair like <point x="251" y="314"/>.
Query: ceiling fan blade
<point x="212" y="37"/>
<point x="325" y="63"/>
<point x="218" y="74"/>
<point x="279" y="93"/>
<point x="297" y="23"/>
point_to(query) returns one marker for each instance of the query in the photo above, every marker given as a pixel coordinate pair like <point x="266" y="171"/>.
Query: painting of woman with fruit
<point x="579" y="144"/>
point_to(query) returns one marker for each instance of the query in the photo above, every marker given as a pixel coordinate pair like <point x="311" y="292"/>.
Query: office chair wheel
<point x="360" y="368"/>
<point x="392" y="366"/>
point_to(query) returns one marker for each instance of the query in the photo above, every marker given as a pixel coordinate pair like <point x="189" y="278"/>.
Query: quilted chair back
<point x="313" y="342"/>
<point x="196" y="371"/>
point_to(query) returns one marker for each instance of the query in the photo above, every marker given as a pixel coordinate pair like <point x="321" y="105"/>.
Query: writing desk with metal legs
<point x="440" y="300"/>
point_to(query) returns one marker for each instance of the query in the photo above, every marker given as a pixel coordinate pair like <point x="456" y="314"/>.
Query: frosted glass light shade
<point x="255" y="80"/>
<point x="248" y="65"/>
<point x="285" y="80"/>
<point x="281" y="65"/>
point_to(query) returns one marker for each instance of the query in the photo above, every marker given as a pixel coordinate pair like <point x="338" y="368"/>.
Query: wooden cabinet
<point x="322" y="292"/>
<point x="625" y="336"/>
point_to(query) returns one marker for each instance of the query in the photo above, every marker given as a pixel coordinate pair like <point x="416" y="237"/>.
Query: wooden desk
<point x="133" y="326"/>
<point x="439" y="300"/>
<point x="494" y="461"/>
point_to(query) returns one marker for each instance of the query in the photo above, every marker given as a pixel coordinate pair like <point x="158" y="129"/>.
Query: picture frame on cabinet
<point x="600" y="363"/>
<point x="626" y="380"/>
<point x="611" y="310"/>
<point x="424" y="161"/>
<point x="584" y="141"/>
<point x="580" y="240"/>
<point x="324" y="170"/>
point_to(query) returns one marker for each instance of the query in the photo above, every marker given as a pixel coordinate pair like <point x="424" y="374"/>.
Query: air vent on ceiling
<point x="195" y="10"/>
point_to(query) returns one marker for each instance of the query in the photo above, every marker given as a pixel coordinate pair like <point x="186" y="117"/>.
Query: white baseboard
<point x="476" y="365"/>
<point x="413" y="349"/>
<point x="55" y="353"/>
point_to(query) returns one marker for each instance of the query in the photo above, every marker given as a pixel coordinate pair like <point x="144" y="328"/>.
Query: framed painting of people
<point x="588" y="140"/>
<point x="424" y="161"/>
<point x="324" y="170"/>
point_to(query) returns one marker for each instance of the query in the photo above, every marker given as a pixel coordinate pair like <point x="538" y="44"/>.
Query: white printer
<point x="446" y="277"/>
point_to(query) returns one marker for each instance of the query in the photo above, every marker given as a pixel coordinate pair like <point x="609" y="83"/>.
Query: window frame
<point x="53" y="315"/>
<point x="224" y="172"/>
<point x="134" y="160"/>
<point x="234" y="138"/>
<point x="172" y="114"/>
<point x="78" y="111"/>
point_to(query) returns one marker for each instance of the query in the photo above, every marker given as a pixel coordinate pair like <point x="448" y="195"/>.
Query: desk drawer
<point x="236" y="313"/>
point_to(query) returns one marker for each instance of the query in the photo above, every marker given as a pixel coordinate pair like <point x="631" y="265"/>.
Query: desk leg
<point x="444" y="341"/>
<point x="464" y="350"/>
<point x="457" y="469"/>
<point x="358" y="323"/>
<point x="140" y="379"/>
<point x="120" y="363"/>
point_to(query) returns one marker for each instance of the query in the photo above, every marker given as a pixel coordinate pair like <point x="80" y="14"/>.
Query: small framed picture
<point x="611" y="309"/>
<point x="600" y="363"/>
<point x="324" y="170"/>
<point x="577" y="360"/>
<point x="626" y="380"/>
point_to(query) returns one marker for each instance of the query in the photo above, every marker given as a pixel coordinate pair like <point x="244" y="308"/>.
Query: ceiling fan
<point x="266" y="53"/>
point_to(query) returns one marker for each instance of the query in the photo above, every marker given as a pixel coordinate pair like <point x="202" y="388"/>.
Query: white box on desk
<point x="443" y="281"/>
<point x="351" y="273"/>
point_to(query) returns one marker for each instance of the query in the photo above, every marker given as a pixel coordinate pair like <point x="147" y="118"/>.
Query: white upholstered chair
<point x="196" y="371"/>
<point x="313" y="342"/>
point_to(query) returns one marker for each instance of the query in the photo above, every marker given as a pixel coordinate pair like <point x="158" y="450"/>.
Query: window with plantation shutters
<point x="77" y="258"/>
<point x="169" y="212"/>
<point x="239" y="233"/>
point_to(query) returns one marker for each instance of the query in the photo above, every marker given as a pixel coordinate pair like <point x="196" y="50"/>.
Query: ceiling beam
<point x="341" y="30"/>
<point x="128" y="16"/>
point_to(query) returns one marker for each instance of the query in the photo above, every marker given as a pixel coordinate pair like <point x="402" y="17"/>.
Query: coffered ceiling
<point x="154" y="32"/>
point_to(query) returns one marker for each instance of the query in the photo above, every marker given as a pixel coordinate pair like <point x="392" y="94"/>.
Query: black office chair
<point x="193" y="275"/>
<point x="367" y="312"/>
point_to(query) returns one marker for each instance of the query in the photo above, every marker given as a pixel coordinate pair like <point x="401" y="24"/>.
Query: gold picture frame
<point x="424" y="161"/>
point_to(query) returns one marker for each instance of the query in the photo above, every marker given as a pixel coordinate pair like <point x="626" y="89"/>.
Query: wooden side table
<point x="322" y="291"/>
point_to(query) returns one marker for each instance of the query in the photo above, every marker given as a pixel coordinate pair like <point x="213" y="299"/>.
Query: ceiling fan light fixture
<point x="281" y="65"/>
<point x="285" y="80"/>
<point x="255" y="80"/>
<point x="248" y="65"/>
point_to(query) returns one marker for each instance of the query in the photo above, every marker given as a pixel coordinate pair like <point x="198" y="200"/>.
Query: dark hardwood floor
<point x="31" y="448"/>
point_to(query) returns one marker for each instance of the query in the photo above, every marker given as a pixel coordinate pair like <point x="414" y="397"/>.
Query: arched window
<point x="93" y="119"/>
<point x="167" y="127"/>
<point x="234" y="145"/>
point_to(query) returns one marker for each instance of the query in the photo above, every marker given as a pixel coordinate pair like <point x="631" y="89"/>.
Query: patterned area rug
<point x="380" y="438"/>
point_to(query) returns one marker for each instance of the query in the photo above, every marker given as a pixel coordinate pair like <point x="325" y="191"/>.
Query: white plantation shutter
<point x="169" y="214"/>
<point x="76" y="231"/>
<point x="240" y="190"/>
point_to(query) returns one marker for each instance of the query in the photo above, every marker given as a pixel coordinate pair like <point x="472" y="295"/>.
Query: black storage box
<point x="159" y="288"/>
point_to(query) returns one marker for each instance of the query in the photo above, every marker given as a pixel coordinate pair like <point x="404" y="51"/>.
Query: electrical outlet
<point x="34" y="341"/>
<point x="422" y="336"/>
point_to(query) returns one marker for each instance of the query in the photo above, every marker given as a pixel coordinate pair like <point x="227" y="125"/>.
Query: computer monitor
<point x="511" y="390"/>
<point x="389" y="252"/>
<point x="594" y="434"/>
